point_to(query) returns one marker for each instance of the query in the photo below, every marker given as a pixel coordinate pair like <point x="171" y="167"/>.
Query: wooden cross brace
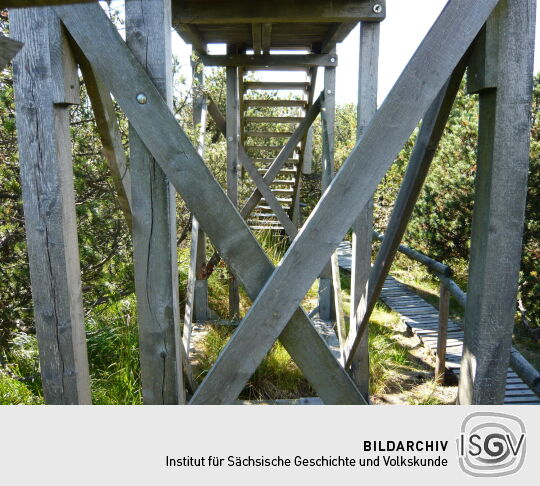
<point x="275" y="311"/>
<point x="113" y="61"/>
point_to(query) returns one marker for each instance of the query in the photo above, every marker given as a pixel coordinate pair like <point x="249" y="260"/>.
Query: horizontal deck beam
<point x="270" y="60"/>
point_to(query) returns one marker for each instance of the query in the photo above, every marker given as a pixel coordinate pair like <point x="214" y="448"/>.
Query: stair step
<point x="273" y="119"/>
<point x="275" y="85"/>
<point x="269" y="161"/>
<point x="284" y="181"/>
<point x="267" y="148"/>
<point x="277" y="189"/>
<point x="285" y="170"/>
<point x="268" y="208"/>
<point x="280" y="199"/>
<point x="268" y="134"/>
<point x="273" y="228"/>
<point x="282" y="103"/>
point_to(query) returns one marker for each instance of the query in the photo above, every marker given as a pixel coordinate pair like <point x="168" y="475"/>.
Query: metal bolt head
<point x="329" y="91"/>
<point x="141" y="99"/>
<point x="230" y="139"/>
<point x="332" y="59"/>
<point x="377" y="8"/>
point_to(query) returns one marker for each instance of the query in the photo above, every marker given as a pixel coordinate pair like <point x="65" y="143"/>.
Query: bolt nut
<point x="230" y="139"/>
<point x="329" y="91"/>
<point x="142" y="99"/>
<point x="332" y="59"/>
<point x="377" y="8"/>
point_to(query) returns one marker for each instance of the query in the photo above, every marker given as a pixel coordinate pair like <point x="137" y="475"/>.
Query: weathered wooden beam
<point x="198" y="246"/>
<point x="444" y="45"/>
<point x="8" y="50"/>
<point x="442" y="335"/>
<point x="109" y="133"/>
<point x="252" y="170"/>
<point x="335" y="33"/>
<point x="49" y="206"/>
<point x="40" y="3"/>
<point x="233" y="163"/>
<point x="499" y="208"/>
<point x="270" y="60"/>
<point x="256" y="33"/>
<point x="275" y="11"/>
<point x="327" y="311"/>
<point x="266" y="36"/>
<point x="148" y="30"/>
<point x="363" y="226"/>
<point x="192" y="35"/>
<point x="170" y="146"/>
<point x="424" y="151"/>
<point x="283" y="156"/>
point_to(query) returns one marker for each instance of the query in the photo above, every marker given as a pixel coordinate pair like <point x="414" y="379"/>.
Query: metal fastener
<point x="332" y="59"/>
<point x="377" y="8"/>
<point x="230" y="139"/>
<point x="329" y="91"/>
<point x="141" y="99"/>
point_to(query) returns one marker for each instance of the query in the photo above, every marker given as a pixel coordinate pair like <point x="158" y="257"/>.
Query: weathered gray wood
<point x="252" y="170"/>
<point x="200" y="291"/>
<point x="233" y="163"/>
<point x="49" y="206"/>
<point x="148" y="29"/>
<point x="338" y="306"/>
<point x="172" y="149"/>
<point x="40" y="3"/>
<point x="276" y="85"/>
<point x="8" y="49"/>
<point x="190" y="286"/>
<point x="266" y="38"/>
<point x="191" y="35"/>
<point x="109" y="133"/>
<point x="444" y="46"/>
<point x="444" y="308"/>
<point x="327" y="310"/>
<point x="424" y="151"/>
<point x="363" y="226"/>
<point x="256" y="32"/>
<point x="270" y="11"/>
<point x="501" y="188"/>
<point x="270" y="60"/>
<point x="283" y="156"/>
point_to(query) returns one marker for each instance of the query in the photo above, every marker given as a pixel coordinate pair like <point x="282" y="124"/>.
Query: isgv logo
<point x="491" y="444"/>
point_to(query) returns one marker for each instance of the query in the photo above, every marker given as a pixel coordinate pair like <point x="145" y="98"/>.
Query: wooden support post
<point x="427" y="142"/>
<point x="501" y="188"/>
<point x="444" y="308"/>
<point x="233" y="132"/>
<point x="328" y="115"/>
<point x="46" y="83"/>
<point x="200" y="297"/>
<point x="455" y="29"/>
<point x="109" y="133"/>
<point x="148" y="29"/>
<point x="363" y="226"/>
<point x="158" y="128"/>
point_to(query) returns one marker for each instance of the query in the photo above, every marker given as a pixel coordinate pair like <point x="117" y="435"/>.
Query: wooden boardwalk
<point x="422" y="318"/>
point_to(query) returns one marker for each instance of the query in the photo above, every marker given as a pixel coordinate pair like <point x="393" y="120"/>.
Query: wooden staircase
<point x="266" y="125"/>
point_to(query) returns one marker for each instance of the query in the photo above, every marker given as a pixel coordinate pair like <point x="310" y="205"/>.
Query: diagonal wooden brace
<point x="349" y="192"/>
<point x="424" y="151"/>
<point x="8" y="49"/>
<point x="261" y="184"/>
<point x="124" y="76"/>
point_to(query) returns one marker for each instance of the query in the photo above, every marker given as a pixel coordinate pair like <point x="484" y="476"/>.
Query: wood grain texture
<point x="49" y="208"/>
<point x="500" y="195"/>
<point x="8" y="50"/>
<point x="424" y="151"/>
<point x="170" y="146"/>
<point x="363" y="226"/>
<point x="245" y="11"/>
<point x="109" y="134"/>
<point x="349" y="192"/>
<point x="148" y="29"/>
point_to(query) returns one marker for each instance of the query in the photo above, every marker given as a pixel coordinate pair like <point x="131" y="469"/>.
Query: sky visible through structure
<point x="407" y="23"/>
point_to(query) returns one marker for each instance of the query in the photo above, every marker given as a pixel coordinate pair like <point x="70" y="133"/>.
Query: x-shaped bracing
<point x="275" y="312"/>
<point x="113" y="61"/>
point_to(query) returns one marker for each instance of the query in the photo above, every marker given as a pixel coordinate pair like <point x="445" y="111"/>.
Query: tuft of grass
<point x="113" y="351"/>
<point x="277" y="376"/>
<point x="15" y="392"/>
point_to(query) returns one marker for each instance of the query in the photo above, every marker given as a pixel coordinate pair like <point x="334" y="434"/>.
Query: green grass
<point x="277" y="377"/>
